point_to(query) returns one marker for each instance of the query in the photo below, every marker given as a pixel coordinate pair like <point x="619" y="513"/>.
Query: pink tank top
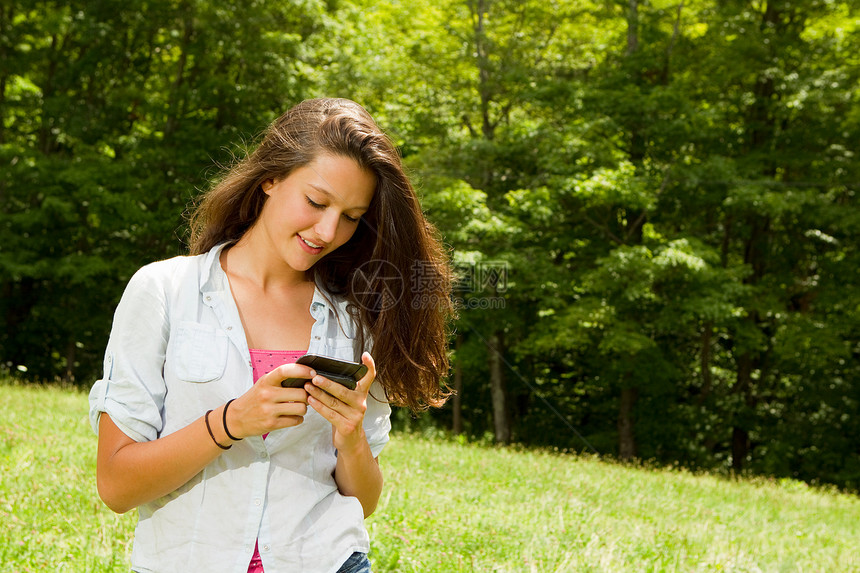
<point x="263" y="362"/>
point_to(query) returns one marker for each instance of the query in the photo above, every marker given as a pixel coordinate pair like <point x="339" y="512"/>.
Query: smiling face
<point x="314" y="210"/>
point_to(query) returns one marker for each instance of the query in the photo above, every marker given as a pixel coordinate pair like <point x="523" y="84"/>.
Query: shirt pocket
<point x="199" y="352"/>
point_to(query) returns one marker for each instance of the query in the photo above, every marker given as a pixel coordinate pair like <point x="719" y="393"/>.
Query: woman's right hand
<point x="161" y="466"/>
<point x="267" y="406"/>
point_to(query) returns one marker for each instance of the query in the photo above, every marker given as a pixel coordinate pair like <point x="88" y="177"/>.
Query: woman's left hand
<point x="343" y="407"/>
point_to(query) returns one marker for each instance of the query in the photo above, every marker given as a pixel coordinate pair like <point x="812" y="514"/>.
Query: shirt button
<point x="265" y="547"/>
<point x="257" y="502"/>
<point x="229" y="328"/>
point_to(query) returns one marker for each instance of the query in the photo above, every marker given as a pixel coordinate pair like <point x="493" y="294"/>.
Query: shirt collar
<point x="212" y="276"/>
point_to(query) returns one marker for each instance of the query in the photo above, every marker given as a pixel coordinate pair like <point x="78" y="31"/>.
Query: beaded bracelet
<point x="224" y="420"/>
<point x="208" y="427"/>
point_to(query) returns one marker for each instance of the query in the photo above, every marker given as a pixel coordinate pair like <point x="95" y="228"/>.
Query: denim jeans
<point x="357" y="563"/>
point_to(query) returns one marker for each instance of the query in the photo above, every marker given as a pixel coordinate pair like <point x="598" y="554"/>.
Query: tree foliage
<point x="653" y="204"/>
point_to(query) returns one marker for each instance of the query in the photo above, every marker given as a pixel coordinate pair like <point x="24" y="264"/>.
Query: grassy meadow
<point x="448" y="506"/>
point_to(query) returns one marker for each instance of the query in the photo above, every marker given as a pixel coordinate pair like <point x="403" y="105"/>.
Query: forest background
<point x="652" y="206"/>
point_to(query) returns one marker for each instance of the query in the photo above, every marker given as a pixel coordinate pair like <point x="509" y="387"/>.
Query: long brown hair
<point x="393" y="272"/>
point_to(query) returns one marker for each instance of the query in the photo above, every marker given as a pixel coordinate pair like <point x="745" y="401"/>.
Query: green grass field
<point x="448" y="506"/>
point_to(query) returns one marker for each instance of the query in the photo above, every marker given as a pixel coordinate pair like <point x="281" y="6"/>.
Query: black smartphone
<point x="336" y="370"/>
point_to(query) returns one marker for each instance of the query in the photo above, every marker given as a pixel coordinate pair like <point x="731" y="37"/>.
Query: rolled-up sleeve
<point x="132" y="390"/>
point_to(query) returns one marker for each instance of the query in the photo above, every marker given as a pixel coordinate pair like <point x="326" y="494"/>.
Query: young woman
<point x="309" y="245"/>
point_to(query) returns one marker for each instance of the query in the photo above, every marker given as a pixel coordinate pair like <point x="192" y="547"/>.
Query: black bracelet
<point x="224" y="420"/>
<point x="208" y="427"/>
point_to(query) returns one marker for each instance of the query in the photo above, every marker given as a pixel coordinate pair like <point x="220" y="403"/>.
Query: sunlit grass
<point x="449" y="506"/>
<point x="52" y="517"/>
<point x="458" y="507"/>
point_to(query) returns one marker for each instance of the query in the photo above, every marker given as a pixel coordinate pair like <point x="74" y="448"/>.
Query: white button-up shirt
<point x="177" y="348"/>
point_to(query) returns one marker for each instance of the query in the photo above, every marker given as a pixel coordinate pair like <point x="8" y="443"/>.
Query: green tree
<point x="111" y="115"/>
<point x="670" y="188"/>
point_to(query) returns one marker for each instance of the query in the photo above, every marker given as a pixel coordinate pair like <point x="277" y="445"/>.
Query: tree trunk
<point x="4" y="74"/>
<point x="501" y="423"/>
<point x="71" y="355"/>
<point x="632" y="26"/>
<point x="482" y="60"/>
<point x="755" y="255"/>
<point x="705" y="361"/>
<point x="633" y="229"/>
<point x="740" y="435"/>
<point x="174" y="103"/>
<point x="47" y="142"/>
<point x="485" y="88"/>
<point x="740" y="448"/>
<point x="626" y="437"/>
<point x="457" y="400"/>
